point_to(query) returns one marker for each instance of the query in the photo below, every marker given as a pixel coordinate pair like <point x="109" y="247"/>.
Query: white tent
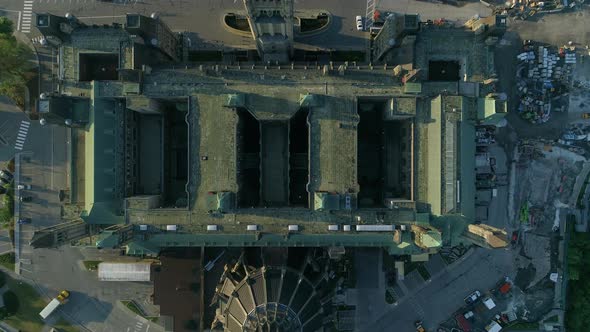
<point x="124" y="271"/>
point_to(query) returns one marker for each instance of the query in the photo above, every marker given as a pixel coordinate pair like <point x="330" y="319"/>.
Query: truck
<point x="419" y="327"/>
<point x="60" y="299"/>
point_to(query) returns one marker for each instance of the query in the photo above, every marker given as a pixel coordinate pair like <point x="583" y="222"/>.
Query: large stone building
<point x="271" y="23"/>
<point x="247" y="155"/>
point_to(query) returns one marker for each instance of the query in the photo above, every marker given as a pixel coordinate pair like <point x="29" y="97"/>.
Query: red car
<point x="514" y="239"/>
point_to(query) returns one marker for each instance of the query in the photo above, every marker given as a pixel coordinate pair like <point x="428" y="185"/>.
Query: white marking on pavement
<point x="25" y="24"/>
<point x="23" y="130"/>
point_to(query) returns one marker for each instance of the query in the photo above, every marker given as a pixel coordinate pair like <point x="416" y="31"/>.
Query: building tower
<point x="271" y="23"/>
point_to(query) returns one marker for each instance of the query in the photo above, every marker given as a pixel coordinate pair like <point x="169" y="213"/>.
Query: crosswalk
<point x="25" y="25"/>
<point x="22" y="135"/>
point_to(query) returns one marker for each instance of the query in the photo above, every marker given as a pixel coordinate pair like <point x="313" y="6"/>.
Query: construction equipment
<point x="419" y="327"/>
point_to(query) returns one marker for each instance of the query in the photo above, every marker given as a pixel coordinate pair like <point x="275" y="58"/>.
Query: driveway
<point x="435" y="300"/>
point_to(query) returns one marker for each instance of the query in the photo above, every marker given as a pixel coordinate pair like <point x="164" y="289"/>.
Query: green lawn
<point x="30" y="304"/>
<point x="523" y="326"/>
<point x="133" y="307"/>
<point x="91" y="265"/>
<point x="347" y="56"/>
<point x="63" y="326"/>
<point x="7" y="260"/>
<point x="308" y="25"/>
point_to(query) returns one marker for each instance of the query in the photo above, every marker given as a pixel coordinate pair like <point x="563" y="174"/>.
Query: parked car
<point x="514" y="238"/>
<point x="24" y="186"/>
<point x="6" y="174"/>
<point x="473" y="297"/>
<point x="585" y="115"/>
<point x="24" y="221"/>
<point x="359" y="23"/>
<point x="26" y="198"/>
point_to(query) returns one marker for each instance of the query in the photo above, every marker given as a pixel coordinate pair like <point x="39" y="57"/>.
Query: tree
<point x="578" y="303"/>
<point x="15" y="69"/>
<point x="11" y="302"/>
<point x="6" y="26"/>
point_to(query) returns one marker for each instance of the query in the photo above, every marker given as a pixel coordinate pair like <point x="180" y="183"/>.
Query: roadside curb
<point x="446" y="269"/>
<point x="233" y="30"/>
<point x="317" y="31"/>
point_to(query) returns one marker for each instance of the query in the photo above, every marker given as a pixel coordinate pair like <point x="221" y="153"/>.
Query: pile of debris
<point x="575" y="135"/>
<point x="543" y="78"/>
<point x="451" y="254"/>
<point x="525" y="9"/>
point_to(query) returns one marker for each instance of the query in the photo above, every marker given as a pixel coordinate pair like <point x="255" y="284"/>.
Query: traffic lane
<point x="44" y="209"/>
<point x="11" y="5"/>
<point x="342" y="34"/>
<point x="203" y="20"/>
<point x="5" y="243"/>
<point x="201" y="16"/>
<point x="428" y="10"/>
<point x="441" y="297"/>
<point x="549" y="28"/>
<point x="45" y="171"/>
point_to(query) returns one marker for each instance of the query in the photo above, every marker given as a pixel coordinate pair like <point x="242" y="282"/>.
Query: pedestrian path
<point x="25" y="25"/>
<point x="22" y="135"/>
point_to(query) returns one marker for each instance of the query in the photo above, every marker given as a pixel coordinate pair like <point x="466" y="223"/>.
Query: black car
<point x="24" y="221"/>
<point x="26" y="198"/>
<point x="6" y="174"/>
<point x="4" y="181"/>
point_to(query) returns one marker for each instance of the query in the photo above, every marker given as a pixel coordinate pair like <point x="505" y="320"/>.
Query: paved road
<point x="556" y="29"/>
<point x="93" y="302"/>
<point x="204" y="18"/>
<point x="429" y="10"/>
<point x="443" y="295"/>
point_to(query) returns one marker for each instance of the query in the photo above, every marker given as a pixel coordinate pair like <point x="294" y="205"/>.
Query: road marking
<point x="25" y="24"/>
<point x="23" y="130"/>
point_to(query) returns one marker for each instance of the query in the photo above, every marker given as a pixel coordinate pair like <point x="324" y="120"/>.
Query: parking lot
<point x="435" y="300"/>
